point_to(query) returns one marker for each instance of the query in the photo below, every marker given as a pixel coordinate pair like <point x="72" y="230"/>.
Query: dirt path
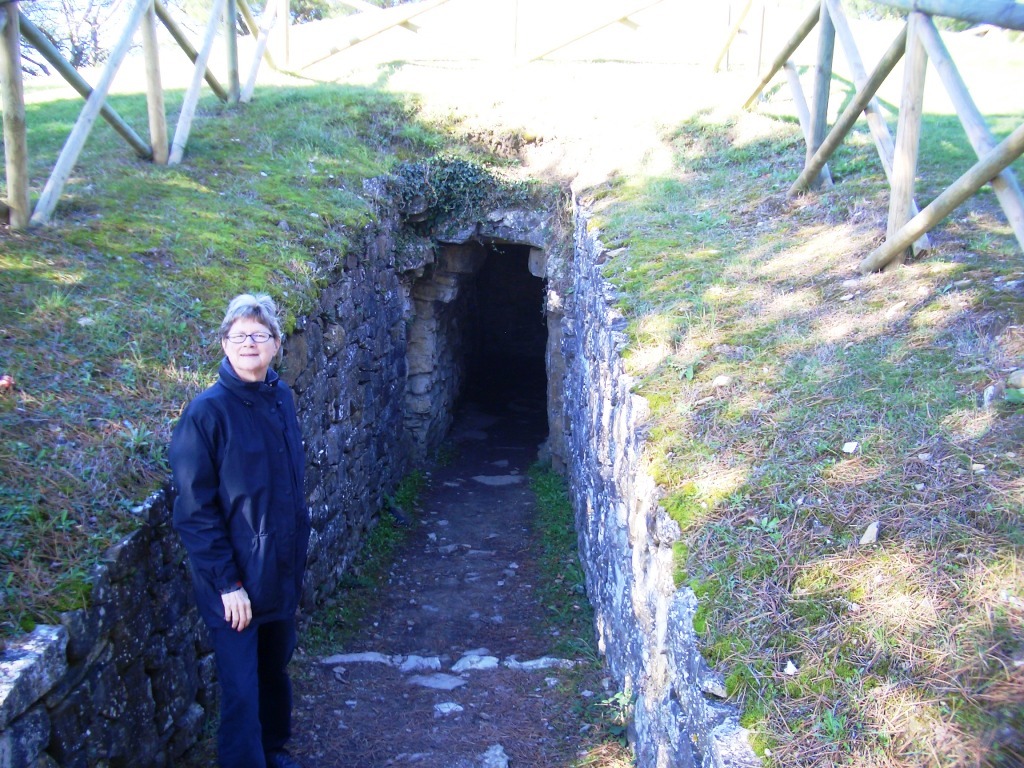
<point x="462" y="590"/>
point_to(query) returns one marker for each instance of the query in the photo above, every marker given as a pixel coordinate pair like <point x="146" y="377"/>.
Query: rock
<point x="438" y="682"/>
<point x="447" y="708"/>
<point x="473" y="662"/>
<point x="791" y="668"/>
<point x="420" y="664"/>
<point x="730" y="746"/>
<point x="22" y="741"/>
<point x="545" y="662"/>
<point x="1016" y="379"/>
<point x="366" y="657"/>
<point x="498" y="480"/>
<point x="850" y="447"/>
<point x="494" y="757"/>
<point x="992" y="394"/>
<point x="722" y="381"/>
<point x="29" y="668"/>
<point x="870" y="534"/>
<point x="713" y="685"/>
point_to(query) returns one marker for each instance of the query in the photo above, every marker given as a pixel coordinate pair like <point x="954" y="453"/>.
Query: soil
<point x="463" y="583"/>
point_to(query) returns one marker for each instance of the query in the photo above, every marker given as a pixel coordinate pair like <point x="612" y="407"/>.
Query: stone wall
<point x="126" y="681"/>
<point x="437" y="342"/>
<point x="644" y="623"/>
<point x="129" y="681"/>
<point x="347" y="365"/>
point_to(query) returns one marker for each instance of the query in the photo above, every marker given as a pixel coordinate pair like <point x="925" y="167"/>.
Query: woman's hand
<point x="237" y="609"/>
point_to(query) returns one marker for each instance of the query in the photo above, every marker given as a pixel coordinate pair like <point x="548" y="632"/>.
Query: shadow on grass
<point x="795" y="404"/>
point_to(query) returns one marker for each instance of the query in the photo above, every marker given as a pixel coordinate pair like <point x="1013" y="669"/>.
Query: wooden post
<point x="261" y="29"/>
<point x="851" y="113"/>
<point x="1005" y="184"/>
<point x="188" y="106"/>
<point x="760" y="40"/>
<point x="908" y="133"/>
<point x="976" y="177"/>
<point x="266" y="22"/>
<point x="877" y="122"/>
<point x="13" y="99"/>
<point x="1002" y="13"/>
<point x="41" y="43"/>
<point x="732" y="35"/>
<point x="76" y="140"/>
<point x="803" y="113"/>
<point x="393" y="20"/>
<point x="231" y="41"/>
<point x="186" y="46"/>
<point x="285" y="13"/>
<point x="614" y="17"/>
<point x="822" y="88"/>
<point x="515" y="29"/>
<point x="154" y="89"/>
<point x="787" y="50"/>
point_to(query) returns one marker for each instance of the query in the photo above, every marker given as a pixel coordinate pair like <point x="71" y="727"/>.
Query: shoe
<point x="282" y="759"/>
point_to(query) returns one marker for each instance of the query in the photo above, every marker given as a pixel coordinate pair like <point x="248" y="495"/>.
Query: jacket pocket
<point x="260" y="575"/>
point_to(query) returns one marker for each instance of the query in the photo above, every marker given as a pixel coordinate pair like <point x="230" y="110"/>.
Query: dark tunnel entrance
<point x="506" y="330"/>
<point x="477" y="336"/>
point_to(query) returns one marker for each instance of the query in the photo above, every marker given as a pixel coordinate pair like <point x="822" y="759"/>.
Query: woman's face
<point x="249" y="358"/>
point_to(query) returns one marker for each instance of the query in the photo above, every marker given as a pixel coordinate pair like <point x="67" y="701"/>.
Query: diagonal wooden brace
<point x="979" y="174"/>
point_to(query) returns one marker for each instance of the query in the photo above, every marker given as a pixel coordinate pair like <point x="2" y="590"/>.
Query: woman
<point x="238" y="465"/>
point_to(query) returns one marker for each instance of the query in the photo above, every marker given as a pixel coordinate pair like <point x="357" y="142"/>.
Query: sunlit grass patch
<point x="109" y="314"/>
<point x="794" y="404"/>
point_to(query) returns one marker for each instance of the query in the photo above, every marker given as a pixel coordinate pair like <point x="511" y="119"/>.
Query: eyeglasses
<point x="259" y="337"/>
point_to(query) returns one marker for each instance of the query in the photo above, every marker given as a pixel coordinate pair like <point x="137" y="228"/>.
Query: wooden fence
<point x="161" y="147"/>
<point x="918" y="41"/>
<point x="143" y="17"/>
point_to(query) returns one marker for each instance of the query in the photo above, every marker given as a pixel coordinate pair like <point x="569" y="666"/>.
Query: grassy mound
<point x="108" y="315"/>
<point x="798" y="404"/>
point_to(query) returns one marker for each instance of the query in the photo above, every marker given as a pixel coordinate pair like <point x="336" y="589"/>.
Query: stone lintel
<point x="29" y="668"/>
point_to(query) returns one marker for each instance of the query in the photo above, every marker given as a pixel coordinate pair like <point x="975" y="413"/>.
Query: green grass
<point x="903" y="651"/>
<point x="562" y="591"/>
<point x="108" y="315"/>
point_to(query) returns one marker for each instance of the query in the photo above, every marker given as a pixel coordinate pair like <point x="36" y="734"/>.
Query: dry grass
<point x="905" y="652"/>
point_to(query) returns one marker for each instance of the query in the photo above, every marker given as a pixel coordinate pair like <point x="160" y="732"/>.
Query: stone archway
<point x="477" y="323"/>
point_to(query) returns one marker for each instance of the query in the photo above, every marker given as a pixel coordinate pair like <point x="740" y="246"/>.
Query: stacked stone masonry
<point x="644" y="624"/>
<point x="129" y="681"/>
<point x="377" y="368"/>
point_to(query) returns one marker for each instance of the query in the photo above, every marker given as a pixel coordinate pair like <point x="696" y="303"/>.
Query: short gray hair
<point x="260" y="308"/>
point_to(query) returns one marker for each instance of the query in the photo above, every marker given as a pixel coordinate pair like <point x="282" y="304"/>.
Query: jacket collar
<point x="246" y="389"/>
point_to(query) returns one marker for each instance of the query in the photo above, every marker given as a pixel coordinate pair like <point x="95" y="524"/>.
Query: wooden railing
<point x="142" y="18"/>
<point x="919" y="40"/>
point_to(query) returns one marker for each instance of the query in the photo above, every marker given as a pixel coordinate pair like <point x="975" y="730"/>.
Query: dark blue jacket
<point x="238" y="465"/>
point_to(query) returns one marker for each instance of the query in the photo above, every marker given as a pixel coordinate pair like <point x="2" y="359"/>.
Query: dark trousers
<point x="255" y="691"/>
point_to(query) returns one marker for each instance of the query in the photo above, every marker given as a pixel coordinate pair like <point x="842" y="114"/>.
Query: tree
<point x="82" y="30"/>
